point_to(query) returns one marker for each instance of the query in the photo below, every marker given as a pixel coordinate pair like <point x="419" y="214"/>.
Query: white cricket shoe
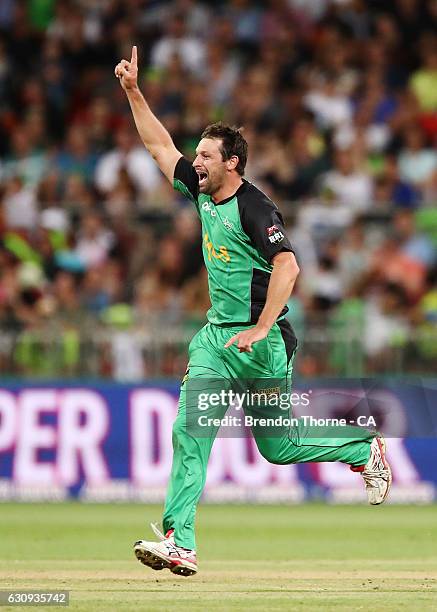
<point x="166" y="554"/>
<point x="376" y="473"/>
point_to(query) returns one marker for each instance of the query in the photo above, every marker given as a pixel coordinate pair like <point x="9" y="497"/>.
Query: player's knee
<point x="179" y="430"/>
<point x="270" y="453"/>
<point x="182" y="433"/>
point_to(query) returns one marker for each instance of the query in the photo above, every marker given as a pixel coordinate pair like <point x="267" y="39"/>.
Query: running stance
<point x="251" y="273"/>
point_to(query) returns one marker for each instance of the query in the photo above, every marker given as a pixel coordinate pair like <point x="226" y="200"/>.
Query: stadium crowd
<point x="338" y="101"/>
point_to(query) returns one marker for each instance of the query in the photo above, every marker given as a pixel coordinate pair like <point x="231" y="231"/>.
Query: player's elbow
<point x="288" y="264"/>
<point x="295" y="271"/>
<point x="294" y="268"/>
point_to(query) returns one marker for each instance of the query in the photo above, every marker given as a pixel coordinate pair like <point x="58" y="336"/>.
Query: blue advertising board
<point x="112" y="442"/>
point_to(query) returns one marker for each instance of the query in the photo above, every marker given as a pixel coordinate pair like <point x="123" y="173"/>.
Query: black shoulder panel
<point x="262" y="222"/>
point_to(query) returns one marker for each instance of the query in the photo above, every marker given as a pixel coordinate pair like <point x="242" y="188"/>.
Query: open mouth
<point x="202" y="178"/>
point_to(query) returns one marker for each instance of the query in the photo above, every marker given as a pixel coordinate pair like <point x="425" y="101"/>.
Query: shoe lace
<point x="371" y="478"/>
<point x="183" y="552"/>
<point x="157" y="531"/>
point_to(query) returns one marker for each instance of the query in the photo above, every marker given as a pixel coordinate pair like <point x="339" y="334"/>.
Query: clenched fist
<point x="127" y="72"/>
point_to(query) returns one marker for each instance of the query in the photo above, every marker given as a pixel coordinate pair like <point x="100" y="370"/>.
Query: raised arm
<point x="155" y="137"/>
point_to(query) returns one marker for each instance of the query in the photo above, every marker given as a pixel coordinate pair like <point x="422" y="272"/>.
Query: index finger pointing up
<point x="133" y="59"/>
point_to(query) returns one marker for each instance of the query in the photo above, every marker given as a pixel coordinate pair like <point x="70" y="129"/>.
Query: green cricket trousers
<point x="211" y="368"/>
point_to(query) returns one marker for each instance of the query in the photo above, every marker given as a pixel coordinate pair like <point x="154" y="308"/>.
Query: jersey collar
<point x="239" y="191"/>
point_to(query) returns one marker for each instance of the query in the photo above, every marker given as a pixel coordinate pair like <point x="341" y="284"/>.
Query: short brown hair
<point x="233" y="143"/>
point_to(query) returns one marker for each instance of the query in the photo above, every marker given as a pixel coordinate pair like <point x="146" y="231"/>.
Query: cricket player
<point x="251" y="273"/>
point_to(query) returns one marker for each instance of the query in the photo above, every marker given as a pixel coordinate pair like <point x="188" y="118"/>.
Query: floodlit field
<point x="251" y="558"/>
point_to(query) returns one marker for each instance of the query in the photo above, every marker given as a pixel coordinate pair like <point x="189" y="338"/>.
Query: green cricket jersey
<point x="240" y="235"/>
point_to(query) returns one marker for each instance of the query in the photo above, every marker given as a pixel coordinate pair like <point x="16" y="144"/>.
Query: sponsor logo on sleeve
<point x="274" y="234"/>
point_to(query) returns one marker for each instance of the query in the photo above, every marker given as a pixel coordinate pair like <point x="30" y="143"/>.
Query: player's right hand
<point x="127" y="72"/>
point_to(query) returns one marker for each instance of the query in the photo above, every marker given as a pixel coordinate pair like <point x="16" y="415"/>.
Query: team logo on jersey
<point x="274" y="234"/>
<point x="228" y="225"/>
<point x="207" y="206"/>
<point x="222" y="253"/>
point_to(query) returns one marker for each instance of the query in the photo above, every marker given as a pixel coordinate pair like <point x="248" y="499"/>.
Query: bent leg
<point x="299" y="445"/>
<point x="298" y="442"/>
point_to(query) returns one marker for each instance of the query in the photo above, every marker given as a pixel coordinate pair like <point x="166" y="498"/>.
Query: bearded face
<point x="211" y="169"/>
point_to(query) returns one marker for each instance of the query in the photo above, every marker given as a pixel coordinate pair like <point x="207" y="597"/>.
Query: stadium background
<point x="102" y="286"/>
<point x="101" y="265"/>
<point x="101" y="276"/>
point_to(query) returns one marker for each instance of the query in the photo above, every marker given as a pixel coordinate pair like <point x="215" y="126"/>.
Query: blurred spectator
<point x="371" y="122"/>
<point x="349" y="184"/>
<point x="6" y="13"/>
<point x="246" y="19"/>
<point x="386" y="324"/>
<point x="390" y="264"/>
<point x="130" y="157"/>
<point x="94" y="241"/>
<point x="53" y="216"/>
<point x="428" y="303"/>
<point x="314" y="9"/>
<point x="197" y="16"/>
<point x="95" y="297"/>
<point x="337" y="99"/>
<point x="24" y="161"/>
<point x="354" y="255"/>
<point x="76" y="157"/>
<point x="177" y="41"/>
<point x="222" y="73"/>
<point x="330" y="106"/>
<point x="417" y="162"/>
<point x="77" y="198"/>
<point x="415" y="245"/>
<point x="126" y="356"/>
<point x="19" y="205"/>
<point x="427" y="319"/>
<point x="327" y="287"/>
<point x="347" y="325"/>
<point x="187" y="231"/>
<point x="5" y="67"/>
<point x="389" y="188"/>
<point x="424" y="81"/>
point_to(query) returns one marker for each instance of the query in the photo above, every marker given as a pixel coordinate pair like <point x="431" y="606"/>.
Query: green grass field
<point x="310" y="557"/>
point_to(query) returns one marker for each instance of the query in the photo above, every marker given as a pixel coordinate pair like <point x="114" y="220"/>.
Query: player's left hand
<point x="246" y="338"/>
